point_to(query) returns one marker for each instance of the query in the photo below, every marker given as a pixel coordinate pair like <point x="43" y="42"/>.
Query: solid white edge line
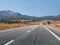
<point x="53" y="33"/>
<point x="9" y="42"/>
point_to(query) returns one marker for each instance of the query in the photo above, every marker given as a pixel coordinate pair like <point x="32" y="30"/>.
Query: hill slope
<point x="11" y="14"/>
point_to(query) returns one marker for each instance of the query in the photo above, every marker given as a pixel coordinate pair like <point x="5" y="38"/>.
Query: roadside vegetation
<point x="55" y="23"/>
<point x="12" y="23"/>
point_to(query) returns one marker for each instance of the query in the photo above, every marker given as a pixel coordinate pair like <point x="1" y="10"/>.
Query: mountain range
<point x="15" y="15"/>
<point x="12" y="14"/>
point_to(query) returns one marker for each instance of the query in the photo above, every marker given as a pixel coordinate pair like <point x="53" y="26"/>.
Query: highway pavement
<point x="31" y="35"/>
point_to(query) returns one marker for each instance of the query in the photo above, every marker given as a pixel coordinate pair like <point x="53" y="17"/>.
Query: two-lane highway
<point x="30" y="35"/>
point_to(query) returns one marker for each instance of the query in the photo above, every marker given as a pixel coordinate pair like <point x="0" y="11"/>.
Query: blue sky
<point x="32" y="7"/>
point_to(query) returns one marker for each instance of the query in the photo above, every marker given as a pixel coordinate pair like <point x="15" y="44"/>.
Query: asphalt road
<point x="31" y="35"/>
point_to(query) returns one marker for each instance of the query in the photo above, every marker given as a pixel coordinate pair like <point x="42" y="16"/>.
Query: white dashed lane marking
<point x="9" y="42"/>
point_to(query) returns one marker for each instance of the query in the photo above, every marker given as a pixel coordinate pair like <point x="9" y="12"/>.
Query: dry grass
<point x="55" y="25"/>
<point x="5" y="26"/>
